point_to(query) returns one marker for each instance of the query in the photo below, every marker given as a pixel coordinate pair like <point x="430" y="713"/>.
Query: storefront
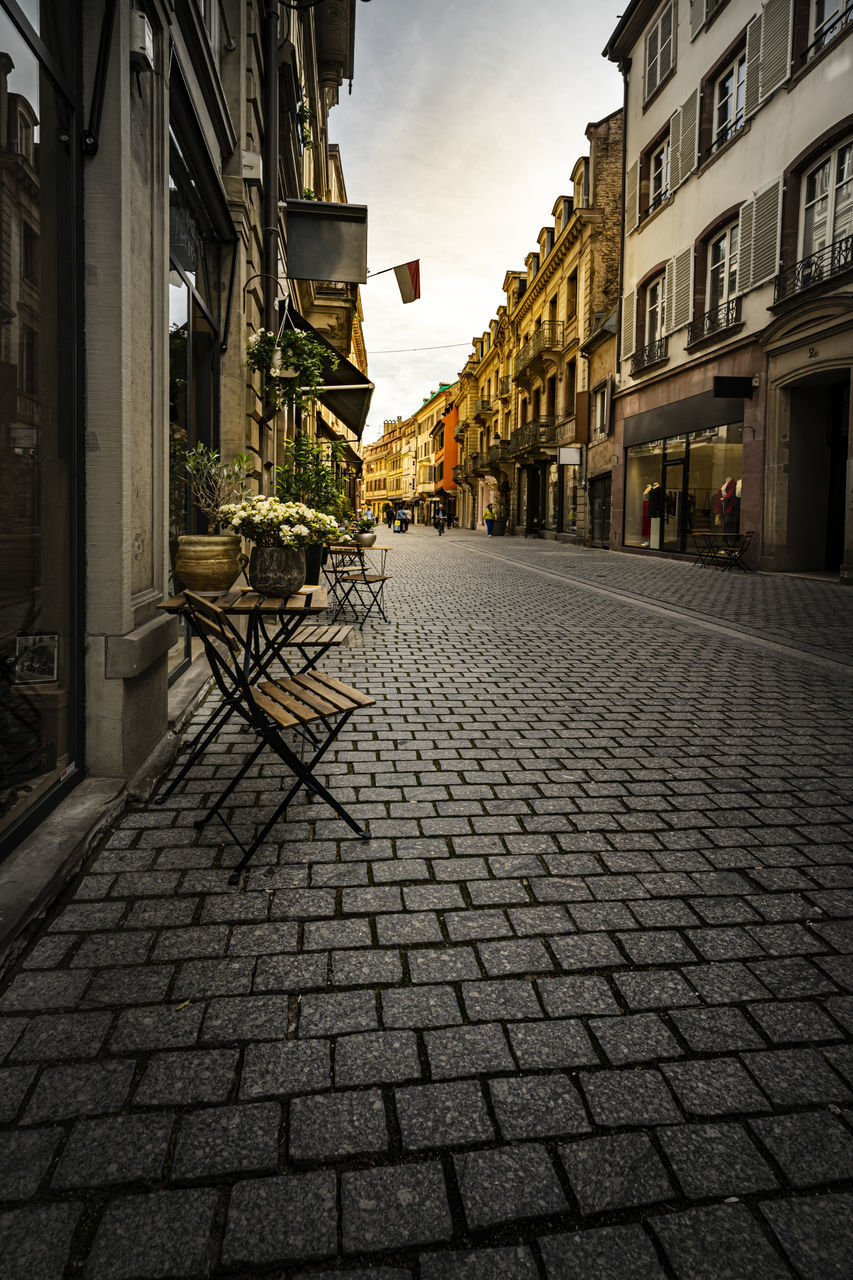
<point x="41" y="721"/>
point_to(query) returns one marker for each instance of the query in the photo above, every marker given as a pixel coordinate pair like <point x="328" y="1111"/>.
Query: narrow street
<point x="579" y="1010"/>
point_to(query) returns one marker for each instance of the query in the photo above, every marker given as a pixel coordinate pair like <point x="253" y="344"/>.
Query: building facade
<point x="736" y="327"/>
<point x="152" y="158"/>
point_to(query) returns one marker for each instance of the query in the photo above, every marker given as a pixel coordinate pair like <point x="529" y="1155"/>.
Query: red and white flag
<point x="409" y="280"/>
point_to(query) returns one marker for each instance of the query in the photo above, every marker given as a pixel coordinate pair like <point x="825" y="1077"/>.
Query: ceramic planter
<point x="364" y="539"/>
<point x="277" y="571"/>
<point x="208" y="561"/>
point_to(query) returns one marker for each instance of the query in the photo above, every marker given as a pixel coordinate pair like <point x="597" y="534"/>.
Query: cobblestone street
<point x="579" y="1010"/>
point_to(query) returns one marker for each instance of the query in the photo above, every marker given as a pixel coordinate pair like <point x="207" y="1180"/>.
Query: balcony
<point x="834" y="25"/>
<point x="531" y="437"/>
<point x="482" y="406"/>
<point x="815" y="269"/>
<point x="457" y="475"/>
<point x="648" y="355"/>
<point x="548" y="337"/>
<point x="505" y="388"/>
<point x="498" y="452"/>
<point x="715" y="321"/>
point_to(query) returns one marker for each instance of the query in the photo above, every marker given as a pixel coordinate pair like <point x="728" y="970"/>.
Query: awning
<point x="346" y="392"/>
<point x="348" y="454"/>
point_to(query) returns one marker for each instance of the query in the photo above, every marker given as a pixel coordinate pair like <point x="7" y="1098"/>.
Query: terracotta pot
<point x="364" y="539"/>
<point x="277" y="571"/>
<point x="208" y="561"/>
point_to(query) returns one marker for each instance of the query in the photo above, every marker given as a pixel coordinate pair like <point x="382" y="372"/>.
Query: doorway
<point x="600" y="493"/>
<point x="817" y="469"/>
<point x="673" y="506"/>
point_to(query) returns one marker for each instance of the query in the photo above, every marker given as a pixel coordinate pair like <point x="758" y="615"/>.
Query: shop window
<point x="684" y="485"/>
<point x="660" y="49"/>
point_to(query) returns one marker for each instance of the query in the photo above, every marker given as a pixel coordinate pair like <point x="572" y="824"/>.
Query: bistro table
<point x="722" y="550"/>
<point x="353" y="584"/>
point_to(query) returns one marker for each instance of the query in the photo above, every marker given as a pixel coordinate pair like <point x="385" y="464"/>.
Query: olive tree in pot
<point x="211" y="561"/>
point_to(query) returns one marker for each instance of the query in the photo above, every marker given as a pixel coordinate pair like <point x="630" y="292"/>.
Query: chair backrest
<point x="224" y="649"/>
<point x="747" y="538"/>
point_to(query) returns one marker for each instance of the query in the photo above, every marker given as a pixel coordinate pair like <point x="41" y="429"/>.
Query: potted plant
<point x="363" y="530"/>
<point x="211" y="561"/>
<point x="280" y="532"/>
<point x="291" y="365"/>
<point x="312" y="473"/>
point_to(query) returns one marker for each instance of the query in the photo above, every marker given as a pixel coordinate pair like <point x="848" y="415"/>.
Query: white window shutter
<point x="674" y="148"/>
<point x="765" y="233"/>
<point x="776" y="32"/>
<point x="682" y="290"/>
<point x="697" y="17"/>
<point x="753" y="66"/>
<point x="689" y="140"/>
<point x="629" y="323"/>
<point x="746" y="219"/>
<point x="669" y="296"/>
<point x="632" y="196"/>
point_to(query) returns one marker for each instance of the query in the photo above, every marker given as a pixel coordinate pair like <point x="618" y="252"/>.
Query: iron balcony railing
<point x="457" y="474"/>
<point x="498" y="451"/>
<point x="483" y="405"/>
<point x="827" y="32"/>
<point x="714" y="321"/>
<point x="505" y="388"/>
<point x="548" y="337"/>
<point x="531" y="435"/>
<point x="481" y="461"/>
<point x="648" y="355"/>
<point x="817" y="267"/>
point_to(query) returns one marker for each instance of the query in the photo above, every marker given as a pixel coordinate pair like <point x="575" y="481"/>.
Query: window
<point x="828" y="201"/>
<point x="655" y="310"/>
<point x="599" y="411"/>
<point x="722" y="267"/>
<point x="729" y="101"/>
<point x="571" y="383"/>
<point x="829" y="18"/>
<point x="572" y="295"/>
<point x="209" y="10"/>
<point x="660" y="49"/>
<point x="29" y="253"/>
<point x="659" y="175"/>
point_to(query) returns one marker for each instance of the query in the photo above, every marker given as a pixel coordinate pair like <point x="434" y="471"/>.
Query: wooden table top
<point x="242" y="600"/>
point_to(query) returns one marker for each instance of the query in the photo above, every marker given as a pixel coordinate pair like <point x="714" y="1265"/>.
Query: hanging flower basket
<point x="292" y="366"/>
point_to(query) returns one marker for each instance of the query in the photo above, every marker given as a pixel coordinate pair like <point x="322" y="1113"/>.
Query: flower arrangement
<point x="270" y="523"/>
<point x="365" y="523"/>
<point x="291" y="365"/>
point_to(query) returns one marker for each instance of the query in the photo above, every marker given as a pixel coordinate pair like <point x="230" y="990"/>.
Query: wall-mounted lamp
<point x="141" y="42"/>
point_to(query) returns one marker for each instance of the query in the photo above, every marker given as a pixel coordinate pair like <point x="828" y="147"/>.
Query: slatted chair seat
<point x="314" y="706"/>
<point x="315" y="640"/>
<point x="362" y="592"/>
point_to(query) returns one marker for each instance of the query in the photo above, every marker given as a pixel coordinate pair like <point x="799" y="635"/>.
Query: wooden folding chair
<point x="368" y="590"/>
<point x="314" y="705"/>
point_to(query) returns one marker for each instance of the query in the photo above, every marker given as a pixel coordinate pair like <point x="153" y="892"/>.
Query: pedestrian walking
<point x="489" y="517"/>
<point x="440" y="520"/>
<point x="403" y="518"/>
<point x="388" y="513"/>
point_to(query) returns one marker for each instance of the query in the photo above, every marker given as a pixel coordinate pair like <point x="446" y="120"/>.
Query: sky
<point x="465" y="121"/>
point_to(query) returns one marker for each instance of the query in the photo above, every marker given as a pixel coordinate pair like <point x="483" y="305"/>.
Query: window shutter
<point x="753" y="66"/>
<point x="697" y="17"/>
<point x="765" y="233"/>
<point x="582" y="417"/>
<point x="669" y="296"/>
<point x="629" y="321"/>
<point x="632" y="190"/>
<point x="608" y="403"/>
<point x="776" y="28"/>
<point x="674" y="149"/>
<point x="678" y="301"/>
<point x="746" y="219"/>
<point x="689" y="139"/>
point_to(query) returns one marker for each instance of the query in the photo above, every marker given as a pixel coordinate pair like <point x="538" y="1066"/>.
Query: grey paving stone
<point x="424" y="1006"/>
<point x="91" y="1088"/>
<point x="227" y="1140"/>
<point x="811" y="1148"/>
<point x="698" y="1242"/>
<point x="537" y="1106"/>
<point x="376" y="1057"/>
<point x="285" y="1068"/>
<point x="14" y="1085"/>
<point x="48" y="951"/>
<point x="405" y="930"/>
<point x="715" y="1087"/>
<point x="541" y="921"/>
<point x="640" y="1037"/>
<point x="443" y="1115"/>
<point x="621" y="1171"/>
<point x="262" y="939"/>
<point x="840" y="1058"/>
<point x="285" y="973"/>
<point x="792" y="1022"/>
<point x="325" y="935"/>
<point x="453" y="964"/>
<point x="189" y="944"/>
<point x="715" y="1160"/>
<point x="608" y="1253"/>
<point x="54" y="989"/>
<point x="816" y="1234"/>
<point x="559" y="1042"/>
<point x="35" y="1242"/>
<point x="159" y="1235"/>
<point x="160" y="913"/>
<point x="431" y="897"/>
<point x="638" y="1097"/>
<point x="510" y="1263"/>
<point x="394" y="1208"/>
<point x="156" y="1026"/>
<point x="559" y="889"/>
<point x="575" y="996"/>
<point x="363" y="968"/>
<point x="655" y="989"/>
<point x="716" y="1030"/>
<point x="83" y="917"/>
<point x="130" y="984"/>
<point x="25" y="1157"/>
<point x="487" y="1001"/>
<point x="509" y="1184"/>
<point x="527" y="956"/>
<point x="498" y="893"/>
<point x="278" y="1220"/>
<point x="114" y="1149"/>
<point x="587" y="951"/>
<point x="333" y="1126"/>
<point x="405" y="870"/>
<point x="792" y="1077"/>
<point x="337" y="1013"/>
<point x="725" y="982"/>
<point x="51" y="1036"/>
<point x="303" y="904"/>
<point x="480" y="925"/>
<point x="187" y="1077"/>
<point x="230" y="1018"/>
<point x="467" y="1051"/>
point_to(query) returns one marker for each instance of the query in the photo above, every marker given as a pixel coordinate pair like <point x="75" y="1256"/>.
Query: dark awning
<point x="347" y="393"/>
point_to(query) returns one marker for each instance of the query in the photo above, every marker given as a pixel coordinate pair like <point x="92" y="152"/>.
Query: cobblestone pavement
<point x="580" y="1008"/>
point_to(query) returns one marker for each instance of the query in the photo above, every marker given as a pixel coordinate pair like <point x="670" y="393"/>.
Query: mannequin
<point x="724" y="504"/>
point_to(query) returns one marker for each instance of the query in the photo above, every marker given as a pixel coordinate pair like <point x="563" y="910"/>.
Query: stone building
<point x="736" y="343"/>
<point x="159" y="162"/>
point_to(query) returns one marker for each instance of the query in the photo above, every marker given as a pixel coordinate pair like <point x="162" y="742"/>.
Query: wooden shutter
<point x="674" y="148"/>
<point x="629" y="323"/>
<point x="669" y="296"/>
<point x="582" y="417"/>
<point x="632" y="192"/>
<point x="765" y="234"/>
<point x="689" y="139"/>
<point x="678" y="290"/>
<point x="776" y="28"/>
<point x="608" y="404"/>
<point x="697" y="17"/>
<point x="746" y="219"/>
<point x="753" y="66"/>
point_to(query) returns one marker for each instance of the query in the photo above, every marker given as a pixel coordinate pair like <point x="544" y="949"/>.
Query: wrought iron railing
<point x="714" y="321"/>
<point x="483" y="405"/>
<point x="827" y="33"/>
<point x="505" y="388"/>
<point x="814" y="269"/>
<point x="649" y="354"/>
<point x="515" y="441"/>
<point x="533" y="434"/>
<point x="457" y="474"/>
<point x="547" y="337"/>
<point x="498" y="451"/>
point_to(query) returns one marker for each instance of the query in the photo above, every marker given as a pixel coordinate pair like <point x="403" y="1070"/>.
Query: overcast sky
<point x="465" y="121"/>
